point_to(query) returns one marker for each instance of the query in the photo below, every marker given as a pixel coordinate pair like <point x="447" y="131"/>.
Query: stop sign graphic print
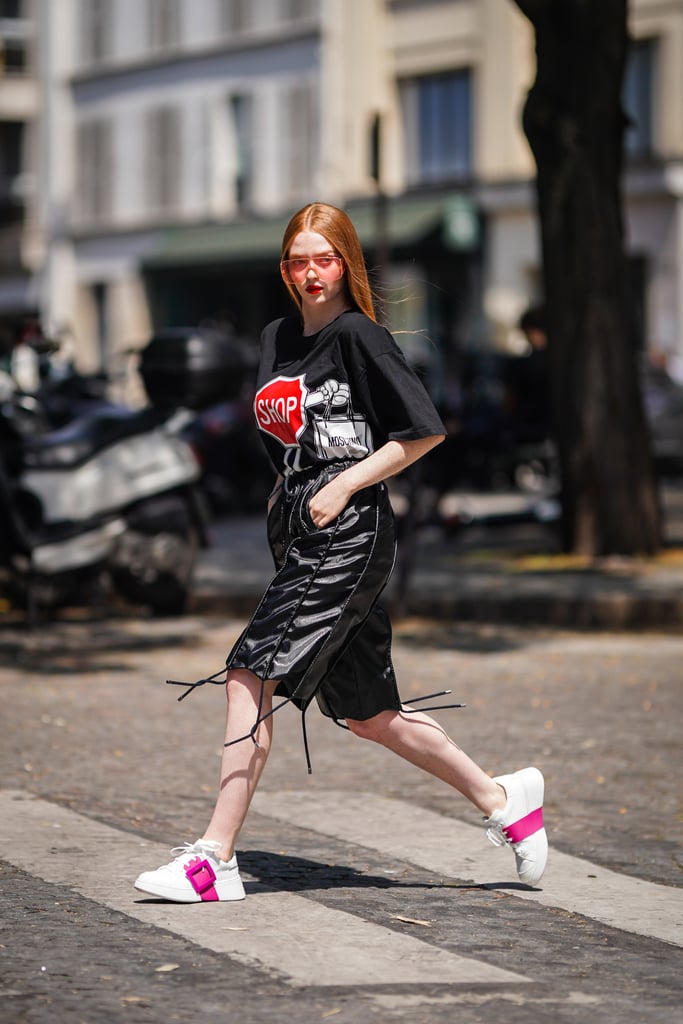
<point x="279" y="409"/>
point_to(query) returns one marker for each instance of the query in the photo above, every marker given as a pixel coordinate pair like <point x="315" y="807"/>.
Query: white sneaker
<point x="195" y="875"/>
<point x="520" y="823"/>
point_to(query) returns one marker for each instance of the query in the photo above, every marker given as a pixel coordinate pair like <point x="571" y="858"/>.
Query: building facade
<point x="19" y="143"/>
<point x="167" y="142"/>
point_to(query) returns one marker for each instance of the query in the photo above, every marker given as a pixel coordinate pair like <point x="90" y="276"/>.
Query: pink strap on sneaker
<point x="201" y="877"/>
<point x="525" y="827"/>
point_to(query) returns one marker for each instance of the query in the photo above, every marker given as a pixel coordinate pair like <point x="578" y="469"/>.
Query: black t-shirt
<point x="336" y="395"/>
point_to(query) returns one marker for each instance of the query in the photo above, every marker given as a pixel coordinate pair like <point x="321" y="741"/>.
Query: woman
<point x="340" y="411"/>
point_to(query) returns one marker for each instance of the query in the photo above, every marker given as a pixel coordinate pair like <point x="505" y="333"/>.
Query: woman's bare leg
<point x="420" y="740"/>
<point x="243" y="763"/>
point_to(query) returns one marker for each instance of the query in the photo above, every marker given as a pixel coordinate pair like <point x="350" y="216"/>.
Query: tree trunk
<point x="574" y="122"/>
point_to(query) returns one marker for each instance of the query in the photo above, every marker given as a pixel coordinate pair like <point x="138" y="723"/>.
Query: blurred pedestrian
<point x="340" y="411"/>
<point x="528" y="383"/>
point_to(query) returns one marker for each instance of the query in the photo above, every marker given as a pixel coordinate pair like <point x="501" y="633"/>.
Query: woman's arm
<point x="387" y="461"/>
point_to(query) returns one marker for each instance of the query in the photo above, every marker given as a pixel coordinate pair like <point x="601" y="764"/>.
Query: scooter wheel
<point x="156" y="569"/>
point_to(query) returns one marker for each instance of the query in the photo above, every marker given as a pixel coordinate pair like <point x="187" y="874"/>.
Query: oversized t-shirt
<point x="336" y="395"/>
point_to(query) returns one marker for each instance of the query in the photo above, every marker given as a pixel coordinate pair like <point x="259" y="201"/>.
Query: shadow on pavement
<point x="473" y="637"/>
<point x="278" y="872"/>
<point x="87" y="644"/>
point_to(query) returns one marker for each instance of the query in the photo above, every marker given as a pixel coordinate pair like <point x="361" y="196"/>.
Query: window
<point x="164" y="24"/>
<point x="13" y="56"/>
<point x="10" y="9"/>
<point x="15" y="40"/>
<point x="163" y="159"/>
<point x="437" y="119"/>
<point x="295" y="10"/>
<point x="235" y="15"/>
<point x="95" y="30"/>
<point x="299" y="126"/>
<point x="94" y="170"/>
<point x="242" y="113"/>
<point x="637" y="97"/>
<point x="99" y="299"/>
<point x="11" y="163"/>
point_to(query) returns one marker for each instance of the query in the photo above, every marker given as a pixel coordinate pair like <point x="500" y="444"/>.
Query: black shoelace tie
<point x="260" y="717"/>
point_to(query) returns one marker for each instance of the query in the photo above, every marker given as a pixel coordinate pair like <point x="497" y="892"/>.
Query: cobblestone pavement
<point x="90" y="729"/>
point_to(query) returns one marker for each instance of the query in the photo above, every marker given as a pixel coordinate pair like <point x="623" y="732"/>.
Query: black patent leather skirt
<point x="318" y="629"/>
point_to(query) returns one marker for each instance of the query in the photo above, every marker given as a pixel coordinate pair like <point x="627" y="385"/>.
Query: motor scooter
<point x="114" y="493"/>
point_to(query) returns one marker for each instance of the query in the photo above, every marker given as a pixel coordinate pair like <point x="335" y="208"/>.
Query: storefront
<point x="423" y="254"/>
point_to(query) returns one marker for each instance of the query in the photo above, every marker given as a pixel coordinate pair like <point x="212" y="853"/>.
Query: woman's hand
<point x="332" y="391"/>
<point x="329" y="502"/>
<point x="387" y="461"/>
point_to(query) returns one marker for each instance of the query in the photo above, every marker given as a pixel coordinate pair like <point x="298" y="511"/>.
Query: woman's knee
<point x="374" y="728"/>
<point x="241" y="684"/>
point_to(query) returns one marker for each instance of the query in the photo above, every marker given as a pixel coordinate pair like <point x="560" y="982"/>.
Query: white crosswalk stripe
<point x="299" y="939"/>
<point x="457" y="850"/>
<point x="302" y="941"/>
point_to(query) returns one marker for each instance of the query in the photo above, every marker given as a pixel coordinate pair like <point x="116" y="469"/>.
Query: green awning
<point x="219" y="243"/>
<point x="408" y="221"/>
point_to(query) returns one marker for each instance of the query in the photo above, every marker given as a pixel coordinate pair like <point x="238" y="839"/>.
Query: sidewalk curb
<point x="616" y="611"/>
<point x="477" y="583"/>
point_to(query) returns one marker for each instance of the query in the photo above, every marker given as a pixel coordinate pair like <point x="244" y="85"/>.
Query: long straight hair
<point x="337" y="228"/>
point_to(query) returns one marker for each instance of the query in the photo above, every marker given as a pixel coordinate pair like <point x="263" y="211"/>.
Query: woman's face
<point x="316" y="270"/>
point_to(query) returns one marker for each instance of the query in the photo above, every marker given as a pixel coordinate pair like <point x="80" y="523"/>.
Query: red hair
<point x="337" y="228"/>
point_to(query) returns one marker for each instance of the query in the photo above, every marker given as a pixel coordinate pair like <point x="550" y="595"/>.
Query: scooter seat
<point x="78" y="441"/>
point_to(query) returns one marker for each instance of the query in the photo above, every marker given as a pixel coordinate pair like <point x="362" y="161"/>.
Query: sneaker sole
<point x="533" y="877"/>
<point x="231" y="893"/>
